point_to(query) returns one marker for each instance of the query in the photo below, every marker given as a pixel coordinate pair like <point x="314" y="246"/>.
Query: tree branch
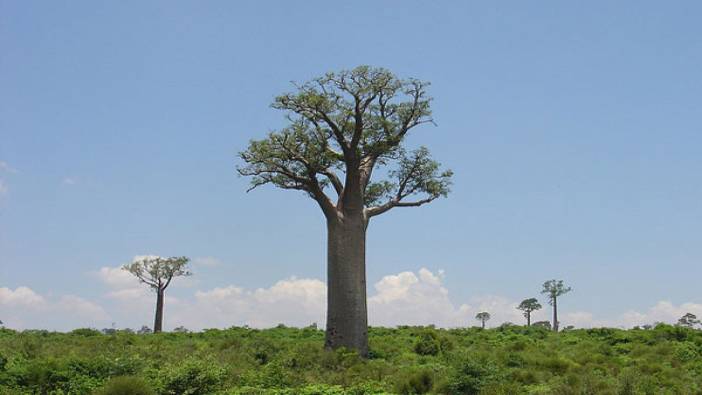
<point x="377" y="210"/>
<point x="334" y="180"/>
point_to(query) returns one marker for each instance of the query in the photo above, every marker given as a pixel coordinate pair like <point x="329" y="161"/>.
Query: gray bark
<point x="158" y="320"/>
<point x="347" y="313"/>
<point x="555" y="314"/>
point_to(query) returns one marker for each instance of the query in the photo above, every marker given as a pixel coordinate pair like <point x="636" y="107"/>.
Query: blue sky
<point x="573" y="131"/>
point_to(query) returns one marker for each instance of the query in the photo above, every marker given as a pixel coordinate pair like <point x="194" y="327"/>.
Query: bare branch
<point x="377" y="210"/>
<point x="334" y="180"/>
<point x="417" y="174"/>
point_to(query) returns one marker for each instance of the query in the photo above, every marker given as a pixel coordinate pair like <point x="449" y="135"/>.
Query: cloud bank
<point x="406" y="298"/>
<point x="23" y="308"/>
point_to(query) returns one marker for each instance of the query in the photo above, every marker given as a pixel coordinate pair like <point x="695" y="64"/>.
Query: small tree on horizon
<point x="542" y="324"/>
<point x="553" y="289"/>
<point x="689" y="320"/>
<point x="157" y="273"/>
<point x="144" y="330"/>
<point x="528" y="306"/>
<point x="483" y="317"/>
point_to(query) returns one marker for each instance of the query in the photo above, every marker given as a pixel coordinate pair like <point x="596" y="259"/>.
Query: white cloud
<point x="3" y="188"/>
<point x="24" y="308"/>
<point x="21" y="297"/>
<point x="117" y="278"/>
<point x="406" y="298"/>
<point x="69" y="181"/>
<point x="421" y="299"/>
<point x="122" y="285"/>
<point x="296" y="302"/>
<point x="663" y="311"/>
<point x="579" y="319"/>
<point x="414" y="299"/>
<point x="80" y="307"/>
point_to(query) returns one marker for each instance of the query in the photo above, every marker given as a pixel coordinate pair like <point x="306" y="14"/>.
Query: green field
<point x="408" y="360"/>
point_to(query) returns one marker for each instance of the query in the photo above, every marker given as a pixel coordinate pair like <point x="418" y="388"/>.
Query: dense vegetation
<point x="409" y="360"/>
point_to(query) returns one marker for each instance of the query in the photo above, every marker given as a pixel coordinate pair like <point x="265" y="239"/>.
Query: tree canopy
<point x="689" y="320"/>
<point x="553" y="289"/>
<point x="343" y="127"/>
<point x="482" y="316"/>
<point x="529" y="305"/>
<point x="158" y="272"/>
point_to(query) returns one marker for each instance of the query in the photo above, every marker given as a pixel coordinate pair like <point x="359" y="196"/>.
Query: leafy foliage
<point x="343" y="128"/>
<point x="689" y="320"/>
<point x="553" y="289"/>
<point x="126" y="385"/>
<point x="158" y="272"/>
<point x="528" y="306"/>
<point x="408" y="360"/>
<point x="483" y="317"/>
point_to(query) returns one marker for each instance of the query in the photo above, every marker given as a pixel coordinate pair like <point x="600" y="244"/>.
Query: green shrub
<point x="427" y="344"/>
<point x="686" y="352"/>
<point x="191" y="377"/>
<point x="417" y="382"/>
<point x="126" y="385"/>
<point x="470" y="377"/>
<point x="627" y="383"/>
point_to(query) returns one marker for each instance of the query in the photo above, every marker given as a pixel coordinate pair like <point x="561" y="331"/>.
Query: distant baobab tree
<point x="483" y="317"/>
<point x="144" y="330"/>
<point x="157" y="273"/>
<point x="528" y="306"/>
<point x="553" y="289"/>
<point x="344" y="128"/>
<point x="689" y="320"/>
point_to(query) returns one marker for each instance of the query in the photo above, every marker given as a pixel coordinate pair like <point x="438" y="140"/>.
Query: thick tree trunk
<point x="347" y="313"/>
<point x="483" y="322"/>
<point x="528" y="318"/>
<point x="158" y="320"/>
<point x="555" y="315"/>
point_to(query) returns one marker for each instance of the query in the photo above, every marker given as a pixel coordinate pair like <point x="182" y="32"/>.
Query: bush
<point x="126" y="385"/>
<point x="470" y="377"/>
<point x="191" y="377"/>
<point x="427" y="344"/>
<point x="418" y="382"/>
<point x="686" y="352"/>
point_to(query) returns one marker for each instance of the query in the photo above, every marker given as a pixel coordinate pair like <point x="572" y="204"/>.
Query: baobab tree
<point x="553" y="289"/>
<point x="689" y="320"/>
<point x="483" y="317"/>
<point x="157" y="273"/>
<point x="344" y="130"/>
<point x="528" y="306"/>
